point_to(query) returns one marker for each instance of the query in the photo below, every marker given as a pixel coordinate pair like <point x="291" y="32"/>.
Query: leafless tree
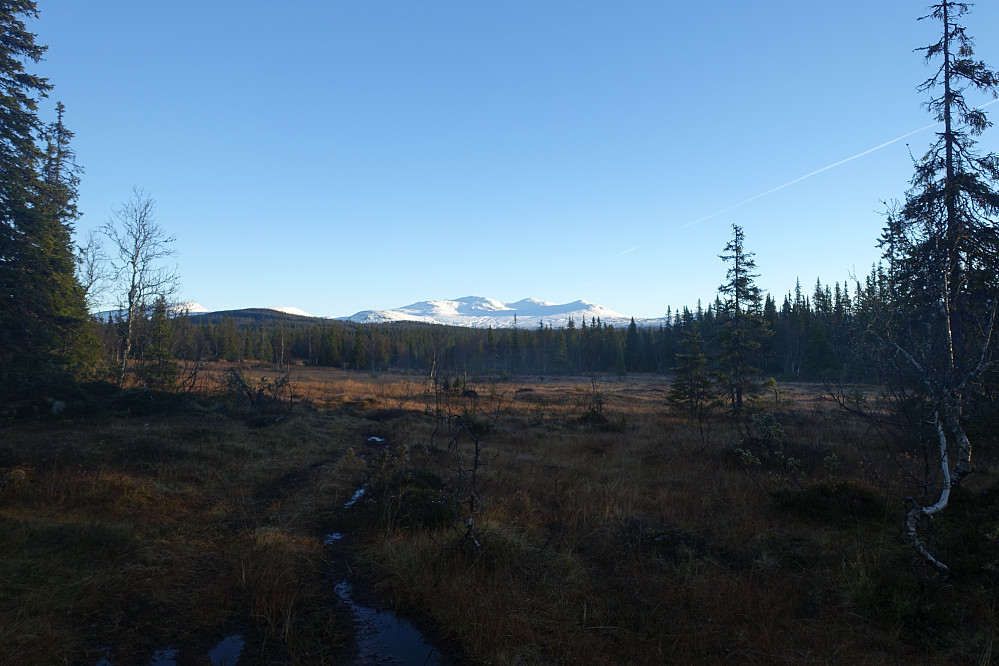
<point x="141" y="266"/>
<point x="92" y="269"/>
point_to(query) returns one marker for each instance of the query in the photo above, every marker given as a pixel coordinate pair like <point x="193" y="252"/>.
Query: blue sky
<point x="338" y="156"/>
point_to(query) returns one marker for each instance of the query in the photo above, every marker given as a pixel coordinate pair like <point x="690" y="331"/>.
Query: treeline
<point x="809" y="336"/>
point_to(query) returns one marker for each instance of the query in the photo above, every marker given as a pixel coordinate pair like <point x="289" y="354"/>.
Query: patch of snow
<point x="287" y="309"/>
<point x="529" y="306"/>
<point x="188" y="308"/>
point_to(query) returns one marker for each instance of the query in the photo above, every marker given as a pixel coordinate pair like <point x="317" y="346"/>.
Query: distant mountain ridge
<point x="197" y="309"/>
<point x="469" y="311"/>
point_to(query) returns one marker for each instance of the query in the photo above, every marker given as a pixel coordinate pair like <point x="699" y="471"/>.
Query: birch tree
<point x="141" y="261"/>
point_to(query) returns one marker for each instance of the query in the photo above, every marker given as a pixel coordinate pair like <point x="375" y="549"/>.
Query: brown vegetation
<point x="609" y="530"/>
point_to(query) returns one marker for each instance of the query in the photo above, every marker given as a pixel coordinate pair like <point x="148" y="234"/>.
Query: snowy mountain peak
<point x="188" y="308"/>
<point x="476" y="311"/>
<point x="469" y="305"/>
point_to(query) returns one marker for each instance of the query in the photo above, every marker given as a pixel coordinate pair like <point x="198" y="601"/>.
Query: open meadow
<point x="525" y="521"/>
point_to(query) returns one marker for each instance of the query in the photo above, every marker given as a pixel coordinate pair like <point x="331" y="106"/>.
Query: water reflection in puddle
<point x="353" y="500"/>
<point x="227" y="652"/>
<point x="167" y="657"/>
<point x="384" y="638"/>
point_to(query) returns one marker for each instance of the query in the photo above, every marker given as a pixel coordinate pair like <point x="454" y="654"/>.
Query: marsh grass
<point x="612" y="531"/>
<point x="644" y="545"/>
<point x="123" y="536"/>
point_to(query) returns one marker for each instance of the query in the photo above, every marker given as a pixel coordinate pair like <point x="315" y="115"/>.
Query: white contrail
<point x="621" y="254"/>
<point x="817" y="171"/>
<point x="807" y="175"/>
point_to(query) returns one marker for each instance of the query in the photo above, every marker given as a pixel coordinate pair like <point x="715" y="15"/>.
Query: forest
<point x="803" y="478"/>
<point x="810" y="337"/>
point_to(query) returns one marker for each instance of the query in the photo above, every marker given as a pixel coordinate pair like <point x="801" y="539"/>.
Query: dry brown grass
<point x="133" y="534"/>
<point x="623" y="538"/>
<point x="635" y="542"/>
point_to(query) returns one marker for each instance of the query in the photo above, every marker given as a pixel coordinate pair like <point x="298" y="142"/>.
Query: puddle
<point x="384" y="638"/>
<point x="353" y="500"/>
<point x="167" y="657"/>
<point x="104" y="660"/>
<point x="227" y="651"/>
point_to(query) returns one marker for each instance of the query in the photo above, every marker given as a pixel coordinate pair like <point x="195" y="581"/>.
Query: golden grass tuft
<point x="275" y="569"/>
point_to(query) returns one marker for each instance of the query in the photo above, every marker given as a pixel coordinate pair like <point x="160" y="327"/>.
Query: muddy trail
<point x="378" y="634"/>
<point x="381" y="635"/>
<point x="311" y="502"/>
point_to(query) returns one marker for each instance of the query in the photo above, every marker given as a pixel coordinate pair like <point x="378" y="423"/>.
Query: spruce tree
<point x="159" y="371"/>
<point x="43" y="317"/>
<point x="741" y="331"/>
<point x="561" y="362"/>
<point x="633" y="348"/>
<point x="61" y="296"/>
<point x="360" y="356"/>
<point x="819" y="359"/>
<point x="936" y="319"/>
<point x="691" y="387"/>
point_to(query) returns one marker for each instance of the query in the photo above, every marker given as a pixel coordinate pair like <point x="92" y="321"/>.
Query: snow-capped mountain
<point x="470" y="311"/>
<point x="479" y="312"/>
<point x="190" y="308"/>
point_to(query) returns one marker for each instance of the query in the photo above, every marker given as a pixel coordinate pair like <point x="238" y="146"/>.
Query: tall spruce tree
<point x="43" y="316"/>
<point x="741" y="331"/>
<point x="633" y="348"/>
<point x="938" y="328"/>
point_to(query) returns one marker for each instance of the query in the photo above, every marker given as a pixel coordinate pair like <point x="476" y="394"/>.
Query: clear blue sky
<point x="339" y="156"/>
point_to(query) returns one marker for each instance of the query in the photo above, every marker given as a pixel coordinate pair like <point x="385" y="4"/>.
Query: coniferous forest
<point x="806" y="477"/>
<point x="811" y="335"/>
